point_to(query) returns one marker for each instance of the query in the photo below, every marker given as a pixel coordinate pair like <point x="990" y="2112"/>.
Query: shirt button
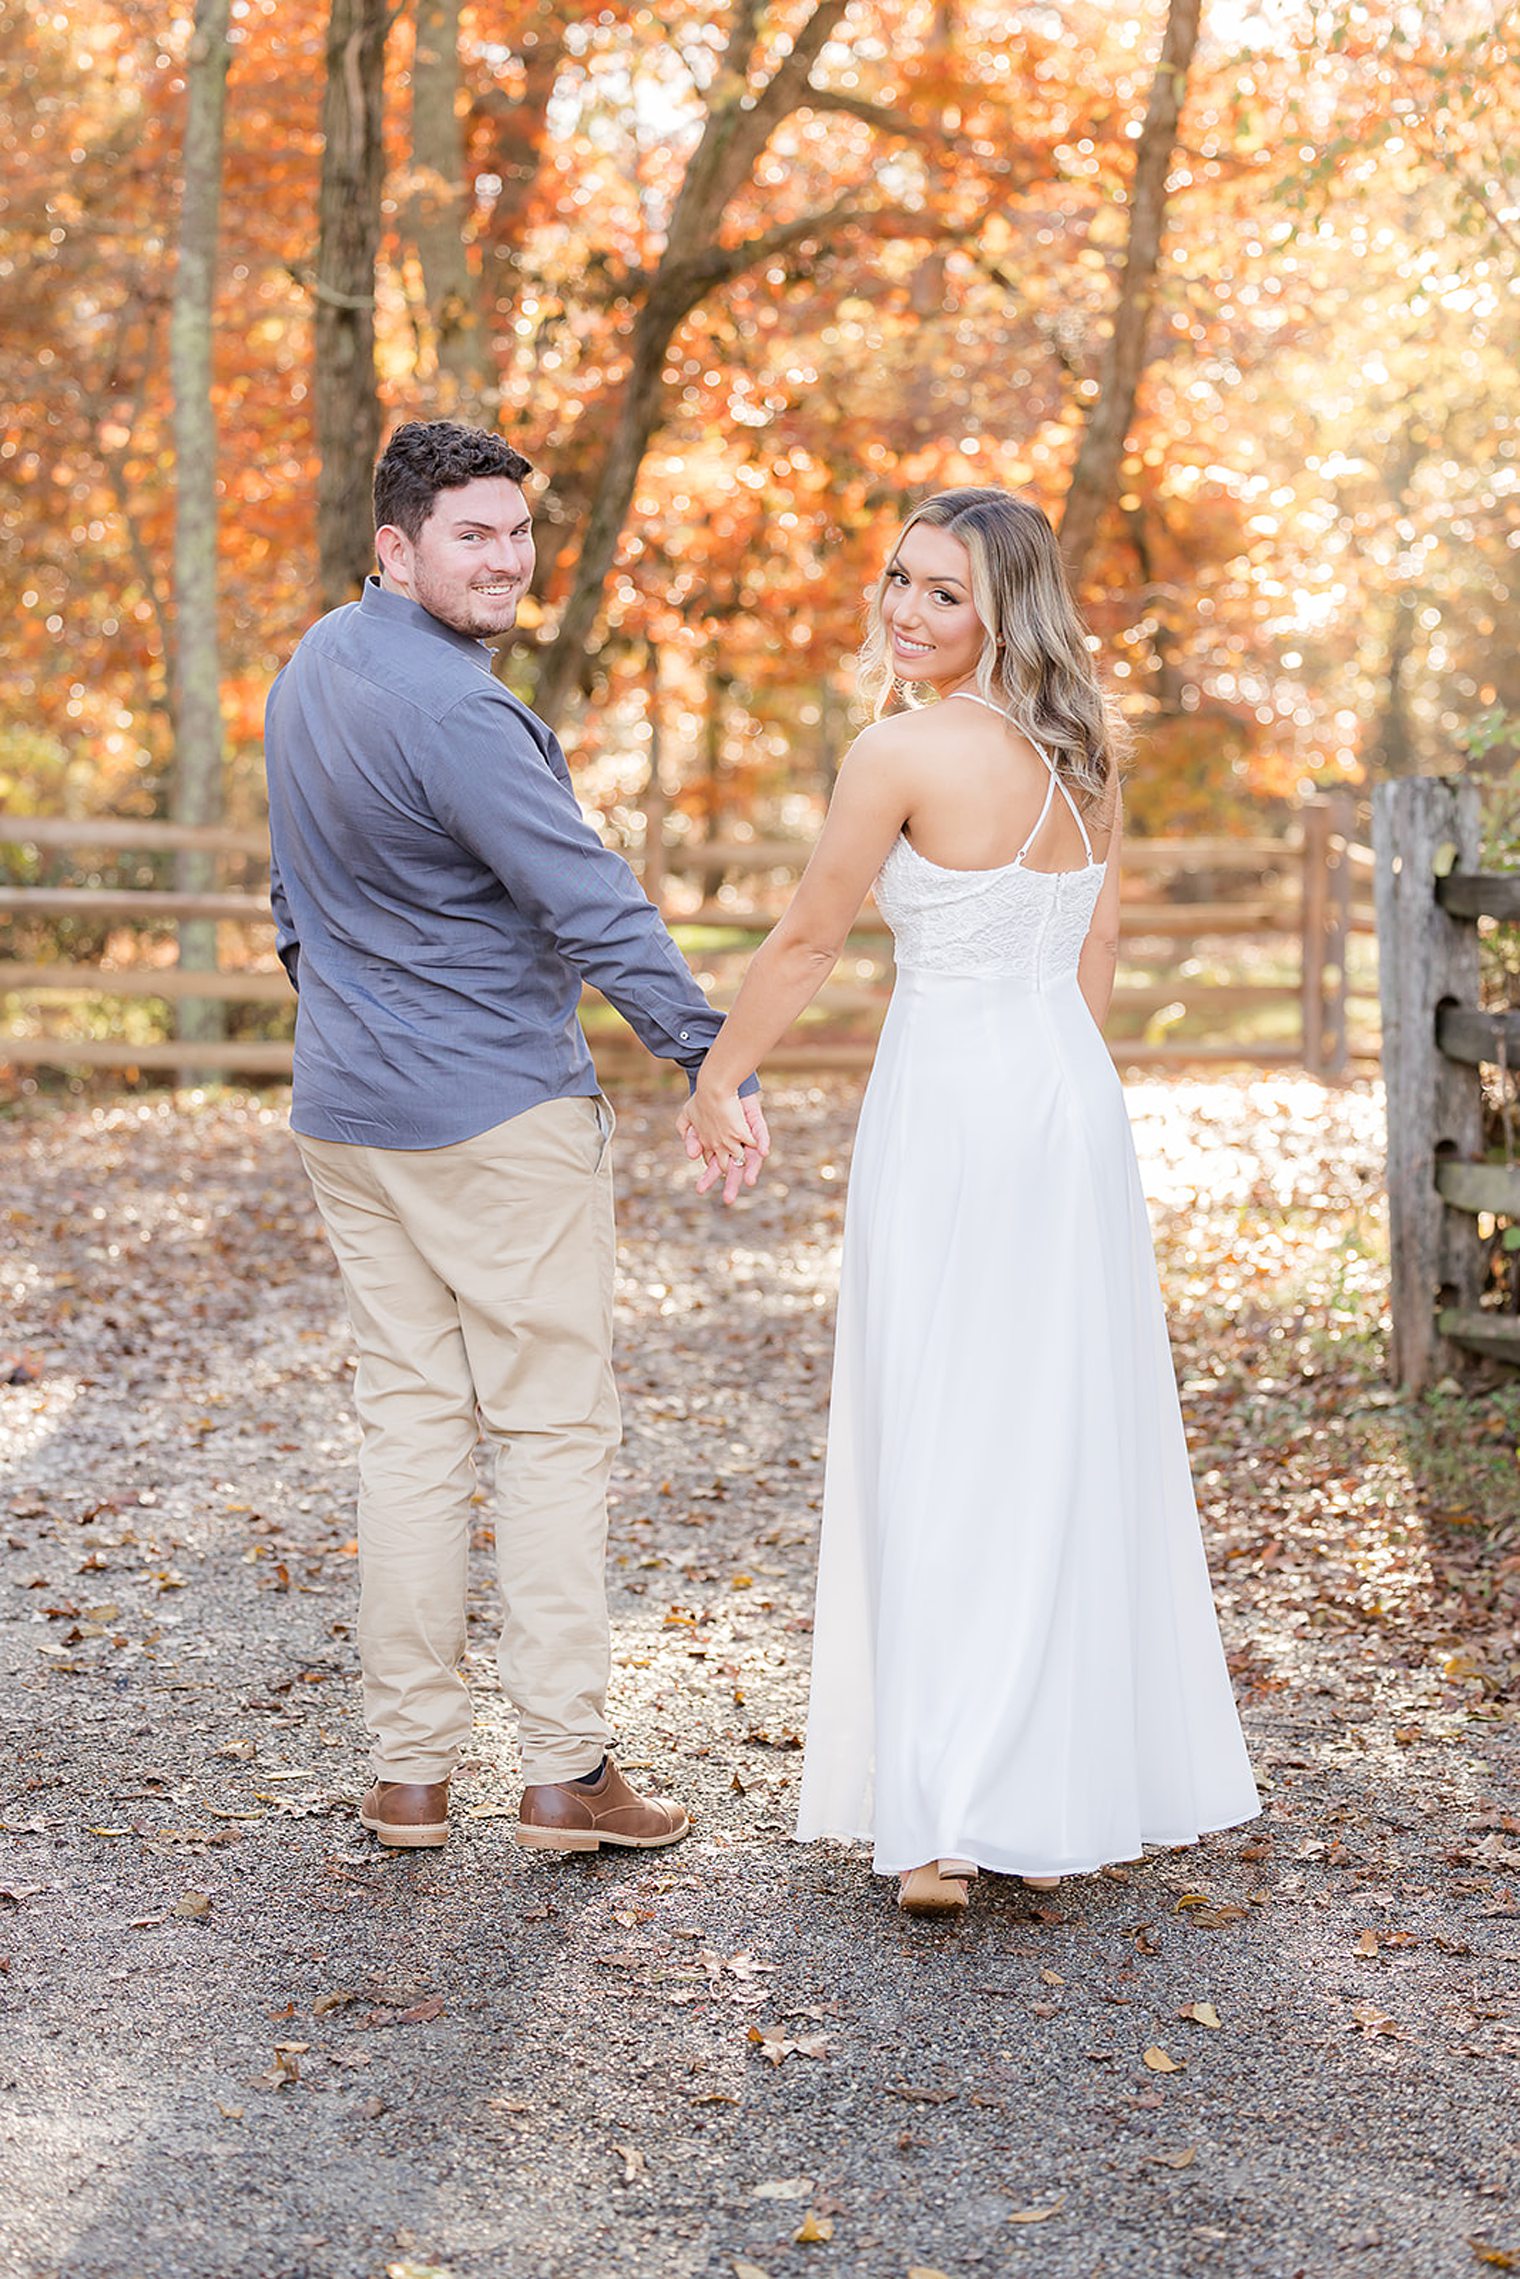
<point x="685" y="1037"/>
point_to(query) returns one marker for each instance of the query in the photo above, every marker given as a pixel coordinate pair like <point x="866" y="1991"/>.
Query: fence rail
<point x="1307" y="890"/>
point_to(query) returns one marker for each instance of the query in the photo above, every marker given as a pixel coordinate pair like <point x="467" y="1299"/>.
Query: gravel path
<point x="238" y="2043"/>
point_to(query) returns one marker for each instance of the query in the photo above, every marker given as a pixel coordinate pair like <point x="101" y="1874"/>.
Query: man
<point x="439" y="898"/>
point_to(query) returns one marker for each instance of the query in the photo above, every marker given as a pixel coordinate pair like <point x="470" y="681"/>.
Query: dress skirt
<point x="1016" y="1658"/>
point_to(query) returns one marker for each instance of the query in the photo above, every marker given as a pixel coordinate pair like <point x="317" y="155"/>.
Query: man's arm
<point x="287" y="948"/>
<point x="495" y="791"/>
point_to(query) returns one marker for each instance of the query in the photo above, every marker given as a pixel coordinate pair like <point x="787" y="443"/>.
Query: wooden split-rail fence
<point x="1453" y="1192"/>
<point x="1301" y="895"/>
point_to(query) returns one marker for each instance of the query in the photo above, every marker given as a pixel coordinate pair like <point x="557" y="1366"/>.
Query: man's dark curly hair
<point x="427" y="456"/>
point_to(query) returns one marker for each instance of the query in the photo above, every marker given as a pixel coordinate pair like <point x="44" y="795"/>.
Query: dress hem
<point x="1006" y="1864"/>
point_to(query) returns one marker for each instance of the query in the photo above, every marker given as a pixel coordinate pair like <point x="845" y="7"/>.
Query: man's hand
<point x="728" y="1136"/>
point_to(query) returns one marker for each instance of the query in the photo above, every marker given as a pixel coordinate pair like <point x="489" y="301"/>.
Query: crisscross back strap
<point x="1055" y="784"/>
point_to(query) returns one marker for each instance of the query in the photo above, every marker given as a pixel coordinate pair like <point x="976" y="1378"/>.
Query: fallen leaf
<point x="1180" y="2159"/>
<point x="1367" y="1944"/>
<point x="746" y="2270"/>
<point x="634" y="2163"/>
<point x="813" y="2230"/>
<point x="411" y="2270"/>
<point x="1158" y="2061"/>
<point x="1052" y="1978"/>
<point x="229" y="2112"/>
<point x="914" y="2096"/>
<point x="784" y="2188"/>
<point x="1499" y="2257"/>
<point x="1037" y="2215"/>
<point x="283" y="2074"/>
<point x="193" y="1903"/>
<point x="1372" y="2020"/>
<point x="1201" y="2013"/>
<point x="927" y="2271"/>
<point x="334" y="2001"/>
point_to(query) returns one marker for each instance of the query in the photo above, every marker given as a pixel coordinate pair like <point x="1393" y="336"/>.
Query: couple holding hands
<point x="1016" y="1665"/>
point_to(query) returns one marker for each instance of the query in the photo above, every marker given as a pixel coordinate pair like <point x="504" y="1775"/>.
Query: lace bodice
<point x="1015" y="922"/>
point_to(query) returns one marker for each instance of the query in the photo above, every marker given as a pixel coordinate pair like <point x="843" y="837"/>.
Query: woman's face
<point x="933" y="631"/>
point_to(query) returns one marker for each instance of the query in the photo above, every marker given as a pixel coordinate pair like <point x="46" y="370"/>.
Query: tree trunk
<point x="347" y="398"/>
<point x="437" y="210"/>
<point x="1094" y="479"/>
<point x="738" y="128"/>
<point x="197" y="660"/>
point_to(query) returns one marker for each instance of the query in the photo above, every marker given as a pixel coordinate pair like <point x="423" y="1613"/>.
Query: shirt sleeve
<point x="496" y="792"/>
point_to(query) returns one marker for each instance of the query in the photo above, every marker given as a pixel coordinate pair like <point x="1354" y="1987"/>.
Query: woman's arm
<point x="872" y="800"/>
<point x="1100" y="951"/>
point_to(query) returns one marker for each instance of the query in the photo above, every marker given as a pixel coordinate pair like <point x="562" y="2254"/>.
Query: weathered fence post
<point x="1316" y="828"/>
<point x="1342" y="812"/>
<point x="1423" y="827"/>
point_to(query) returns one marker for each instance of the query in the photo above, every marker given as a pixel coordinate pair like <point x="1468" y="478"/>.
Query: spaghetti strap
<point x="1076" y="812"/>
<point x="1054" y="785"/>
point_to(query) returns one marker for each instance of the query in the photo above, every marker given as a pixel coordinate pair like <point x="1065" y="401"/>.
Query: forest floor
<point x="238" y="2042"/>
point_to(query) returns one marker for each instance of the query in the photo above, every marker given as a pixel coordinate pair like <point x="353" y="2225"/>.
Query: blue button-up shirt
<point x="439" y="896"/>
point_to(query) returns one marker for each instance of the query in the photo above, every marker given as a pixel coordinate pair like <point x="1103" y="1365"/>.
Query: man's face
<point x="471" y="563"/>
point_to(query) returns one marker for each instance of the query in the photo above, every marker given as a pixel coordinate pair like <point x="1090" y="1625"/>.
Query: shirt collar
<point x="377" y="602"/>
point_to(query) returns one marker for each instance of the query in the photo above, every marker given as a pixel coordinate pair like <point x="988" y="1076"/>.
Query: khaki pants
<point x="479" y="1284"/>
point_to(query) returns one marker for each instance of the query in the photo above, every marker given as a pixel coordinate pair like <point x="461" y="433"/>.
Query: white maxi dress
<point x="1016" y="1658"/>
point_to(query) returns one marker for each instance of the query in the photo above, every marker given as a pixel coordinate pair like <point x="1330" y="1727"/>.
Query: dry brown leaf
<point x="1052" y="1978"/>
<point x="193" y="1903"/>
<point x="1372" y="2020"/>
<point x="229" y="2112"/>
<point x="1158" y="2061"/>
<point x="1367" y="1944"/>
<point x="814" y="2229"/>
<point x="743" y="2270"/>
<point x="334" y="2001"/>
<point x="1184" y="2157"/>
<point x="1038" y="2215"/>
<point x="1201" y="2013"/>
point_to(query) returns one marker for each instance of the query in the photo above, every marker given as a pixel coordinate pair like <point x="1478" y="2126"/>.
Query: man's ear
<point x="394" y="549"/>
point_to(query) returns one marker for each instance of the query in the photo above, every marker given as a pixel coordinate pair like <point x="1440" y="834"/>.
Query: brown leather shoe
<point x="409" y="1816"/>
<point x="581" y="1816"/>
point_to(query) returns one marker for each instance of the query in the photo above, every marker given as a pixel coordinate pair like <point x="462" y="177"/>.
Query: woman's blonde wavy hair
<point x="1035" y="664"/>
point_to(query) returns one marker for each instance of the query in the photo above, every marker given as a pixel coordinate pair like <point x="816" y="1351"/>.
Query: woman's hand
<point x="728" y="1135"/>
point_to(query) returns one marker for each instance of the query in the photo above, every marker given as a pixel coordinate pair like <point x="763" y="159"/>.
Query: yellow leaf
<point x="1367" y="1944"/>
<point x="742" y="1583"/>
<point x="1499" y="2257"/>
<point x="1201" y="2013"/>
<point x="1192" y="1899"/>
<point x="229" y="2112"/>
<point x="813" y="2230"/>
<point x="1158" y="2061"/>
<point x="1037" y="2215"/>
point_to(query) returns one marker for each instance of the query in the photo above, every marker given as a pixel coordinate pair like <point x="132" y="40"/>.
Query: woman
<point x="1016" y="1660"/>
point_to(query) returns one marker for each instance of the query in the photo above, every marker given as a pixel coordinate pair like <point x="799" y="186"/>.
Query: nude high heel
<point x="937" y="1889"/>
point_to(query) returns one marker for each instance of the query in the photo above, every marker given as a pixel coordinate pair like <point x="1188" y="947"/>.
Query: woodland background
<point x="1238" y="301"/>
